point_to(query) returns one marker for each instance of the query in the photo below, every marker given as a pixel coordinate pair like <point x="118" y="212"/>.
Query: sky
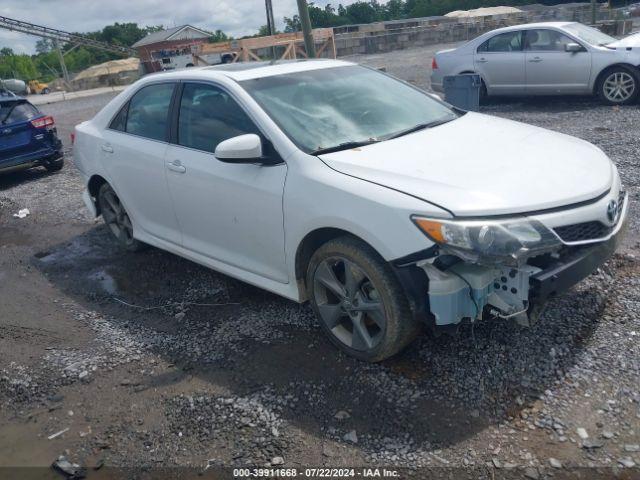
<point x="235" y="17"/>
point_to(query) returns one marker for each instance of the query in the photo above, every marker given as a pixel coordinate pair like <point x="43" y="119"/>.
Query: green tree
<point x="364" y="12"/>
<point x="219" y="36"/>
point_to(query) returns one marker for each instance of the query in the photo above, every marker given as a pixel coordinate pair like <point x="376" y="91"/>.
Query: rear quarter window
<point x="503" y="42"/>
<point x="16" y="112"/>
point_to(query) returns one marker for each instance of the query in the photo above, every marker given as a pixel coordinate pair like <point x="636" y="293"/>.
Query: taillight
<point x="434" y="64"/>
<point x="43" y="122"/>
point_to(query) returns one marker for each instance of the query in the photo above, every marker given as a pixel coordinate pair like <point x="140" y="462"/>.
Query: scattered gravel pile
<point x="19" y="384"/>
<point x="506" y="359"/>
<point x="250" y="426"/>
<point x="114" y="346"/>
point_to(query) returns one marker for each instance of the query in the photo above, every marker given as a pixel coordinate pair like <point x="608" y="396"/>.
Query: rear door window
<point x="149" y="111"/>
<point x="504" y="42"/>
<point x="16" y="112"/>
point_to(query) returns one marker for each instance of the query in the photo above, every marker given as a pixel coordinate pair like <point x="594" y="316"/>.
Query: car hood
<point x="483" y="165"/>
<point x="632" y="41"/>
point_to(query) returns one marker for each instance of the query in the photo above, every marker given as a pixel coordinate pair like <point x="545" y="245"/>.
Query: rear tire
<point x="618" y="86"/>
<point x="54" y="165"/>
<point x="117" y="219"/>
<point x="483" y="92"/>
<point x="359" y="301"/>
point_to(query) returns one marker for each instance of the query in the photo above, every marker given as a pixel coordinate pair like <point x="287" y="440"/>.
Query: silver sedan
<point x="551" y="58"/>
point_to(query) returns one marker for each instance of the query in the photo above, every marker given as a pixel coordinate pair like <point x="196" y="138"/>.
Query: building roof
<point x="166" y="35"/>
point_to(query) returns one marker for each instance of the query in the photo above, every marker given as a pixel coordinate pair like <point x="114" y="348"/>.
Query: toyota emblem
<point x="612" y="211"/>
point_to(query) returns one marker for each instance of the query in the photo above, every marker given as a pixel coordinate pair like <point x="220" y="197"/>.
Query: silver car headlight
<point x="509" y="241"/>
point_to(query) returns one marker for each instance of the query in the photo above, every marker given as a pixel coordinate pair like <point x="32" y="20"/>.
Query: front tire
<point x="619" y="86"/>
<point x="359" y="301"/>
<point x="117" y="219"/>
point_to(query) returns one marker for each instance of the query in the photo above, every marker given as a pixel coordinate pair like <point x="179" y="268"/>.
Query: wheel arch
<point x="483" y="83"/>
<point x="467" y="71"/>
<point x="629" y="66"/>
<point x="311" y="242"/>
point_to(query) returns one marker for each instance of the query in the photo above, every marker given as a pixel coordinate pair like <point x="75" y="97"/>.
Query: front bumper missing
<point x="445" y="296"/>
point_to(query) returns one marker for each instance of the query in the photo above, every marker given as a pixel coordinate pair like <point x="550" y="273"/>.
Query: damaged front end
<point x="494" y="269"/>
<point x="469" y="291"/>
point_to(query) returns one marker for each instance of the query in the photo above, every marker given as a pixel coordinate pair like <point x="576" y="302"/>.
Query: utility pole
<point x="271" y="25"/>
<point x="305" y="23"/>
<point x="63" y="65"/>
<point x="593" y="12"/>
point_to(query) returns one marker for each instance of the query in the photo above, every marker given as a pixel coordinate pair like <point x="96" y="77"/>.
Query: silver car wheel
<point x="349" y="304"/>
<point x="619" y="87"/>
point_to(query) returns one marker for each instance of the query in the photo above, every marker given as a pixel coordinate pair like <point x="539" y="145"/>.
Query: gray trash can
<point x="463" y="91"/>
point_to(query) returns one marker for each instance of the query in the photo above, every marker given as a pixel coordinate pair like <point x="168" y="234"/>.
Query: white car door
<point x="500" y="62"/>
<point x="227" y="212"/>
<point x="550" y="69"/>
<point x="133" y="151"/>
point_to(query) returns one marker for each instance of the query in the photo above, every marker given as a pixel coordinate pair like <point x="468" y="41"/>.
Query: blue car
<point x="28" y="138"/>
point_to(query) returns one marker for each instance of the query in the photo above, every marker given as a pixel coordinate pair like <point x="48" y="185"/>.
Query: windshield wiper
<point x="344" y="146"/>
<point x="420" y="126"/>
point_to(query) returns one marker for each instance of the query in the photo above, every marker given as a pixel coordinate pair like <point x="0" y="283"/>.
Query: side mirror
<point x="241" y="149"/>
<point x="573" y="47"/>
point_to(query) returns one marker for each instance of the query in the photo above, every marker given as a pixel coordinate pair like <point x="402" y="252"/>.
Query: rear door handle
<point x="176" y="166"/>
<point x="535" y="59"/>
<point x="482" y="60"/>
<point x="107" y="148"/>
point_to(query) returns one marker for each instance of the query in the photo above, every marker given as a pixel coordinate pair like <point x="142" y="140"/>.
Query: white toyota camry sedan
<point x="550" y="58"/>
<point x="329" y="182"/>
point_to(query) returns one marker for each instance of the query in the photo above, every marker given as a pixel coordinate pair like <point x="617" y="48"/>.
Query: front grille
<point x="593" y="230"/>
<point x="583" y="231"/>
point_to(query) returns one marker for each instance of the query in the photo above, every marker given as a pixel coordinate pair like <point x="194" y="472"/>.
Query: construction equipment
<point x="36" y="86"/>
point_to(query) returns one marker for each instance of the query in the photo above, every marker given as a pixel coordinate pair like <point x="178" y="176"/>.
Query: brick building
<point x="167" y="43"/>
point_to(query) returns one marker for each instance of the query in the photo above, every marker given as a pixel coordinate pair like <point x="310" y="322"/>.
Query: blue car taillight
<point x="43" y="122"/>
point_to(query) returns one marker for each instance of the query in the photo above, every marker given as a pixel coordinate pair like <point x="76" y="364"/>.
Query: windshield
<point x="342" y="106"/>
<point x="589" y="34"/>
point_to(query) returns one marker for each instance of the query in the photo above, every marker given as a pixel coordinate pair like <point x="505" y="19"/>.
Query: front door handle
<point x="482" y="60"/>
<point x="176" y="166"/>
<point x="535" y="59"/>
<point x="107" y="148"/>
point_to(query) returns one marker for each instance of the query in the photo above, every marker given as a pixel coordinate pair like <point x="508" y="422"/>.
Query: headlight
<point x="492" y="241"/>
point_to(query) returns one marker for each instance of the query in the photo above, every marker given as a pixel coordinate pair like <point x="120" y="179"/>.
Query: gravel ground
<point x="152" y="361"/>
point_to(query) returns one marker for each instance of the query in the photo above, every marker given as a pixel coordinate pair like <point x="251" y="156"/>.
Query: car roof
<point x="527" y="26"/>
<point x="250" y="70"/>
